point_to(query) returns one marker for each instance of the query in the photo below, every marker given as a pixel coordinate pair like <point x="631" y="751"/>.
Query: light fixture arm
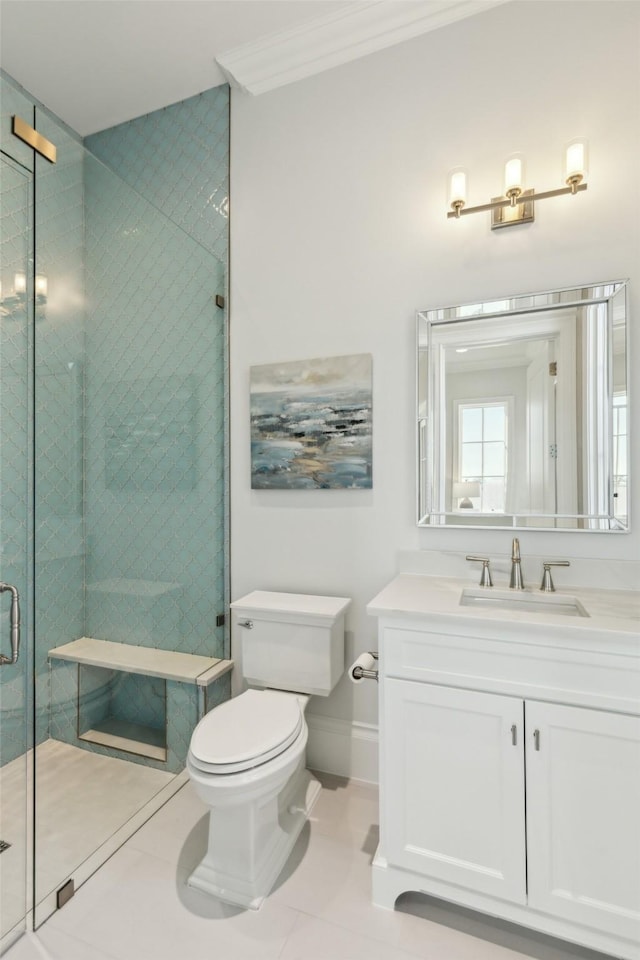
<point x="460" y="210"/>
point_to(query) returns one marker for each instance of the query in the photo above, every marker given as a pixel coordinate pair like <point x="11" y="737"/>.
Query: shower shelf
<point x="107" y="727"/>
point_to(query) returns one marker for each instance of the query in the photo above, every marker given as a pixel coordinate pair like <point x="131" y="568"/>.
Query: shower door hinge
<point x="25" y="132"/>
<point x="553" y="368"/>
<point x="220" y="301"/>
<point x="220" y="620"/>
<point x="64" y="894"/>
<point x="553" y="451"/>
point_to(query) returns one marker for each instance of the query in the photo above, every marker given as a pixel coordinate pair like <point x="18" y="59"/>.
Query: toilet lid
<point x="246" y="731"/>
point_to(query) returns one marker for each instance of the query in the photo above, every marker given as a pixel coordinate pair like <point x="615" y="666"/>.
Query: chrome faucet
<point x="547" y="582"/>
<point x="485" y="576"/>
<point x="516" y="582"/>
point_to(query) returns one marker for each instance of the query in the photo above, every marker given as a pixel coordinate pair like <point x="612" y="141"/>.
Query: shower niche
<point x="124" y="711"/>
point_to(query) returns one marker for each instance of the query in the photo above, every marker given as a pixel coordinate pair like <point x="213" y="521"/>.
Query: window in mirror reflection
<point x="482" y="452"/>
<point x="620" y="456"/>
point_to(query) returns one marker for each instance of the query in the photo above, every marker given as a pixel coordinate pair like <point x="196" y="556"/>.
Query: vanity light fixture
<point x="13" y="304"/>
<point x="517" y="204"/>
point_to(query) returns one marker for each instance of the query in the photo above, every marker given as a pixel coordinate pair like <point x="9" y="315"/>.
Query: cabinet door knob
<point x="536" y="739"/>
<point x="514" y="734"/>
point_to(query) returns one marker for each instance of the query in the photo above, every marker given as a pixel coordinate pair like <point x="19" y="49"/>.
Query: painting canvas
<point x="311" y="424"/>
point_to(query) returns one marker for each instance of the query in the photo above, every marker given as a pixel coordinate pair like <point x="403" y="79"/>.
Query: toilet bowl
<point x="259" y="798"/>
<point x="247" y="756"/>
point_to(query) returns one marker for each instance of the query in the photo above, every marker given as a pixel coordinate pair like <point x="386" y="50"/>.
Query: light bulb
<point x="41" y="285"/>
<point x="20" y="283"/>
<point x="513" y="177"/>
<point x="576" y="161"/>
<point x="457" y="189"/>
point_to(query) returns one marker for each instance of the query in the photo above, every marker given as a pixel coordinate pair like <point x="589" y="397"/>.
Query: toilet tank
<point x="295" y="641"/>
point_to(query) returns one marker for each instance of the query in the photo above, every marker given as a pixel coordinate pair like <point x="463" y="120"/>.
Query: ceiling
<point x="96" y="63"/>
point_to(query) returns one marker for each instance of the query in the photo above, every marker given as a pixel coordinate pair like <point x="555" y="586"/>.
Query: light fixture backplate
<point x="510" y="216"/>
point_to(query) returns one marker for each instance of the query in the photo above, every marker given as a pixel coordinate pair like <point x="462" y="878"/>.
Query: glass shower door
<point x="15" y="524"/>
<point x="129" y="372"/>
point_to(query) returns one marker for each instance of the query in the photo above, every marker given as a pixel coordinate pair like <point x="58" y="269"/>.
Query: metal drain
<point x="4" y="846"/>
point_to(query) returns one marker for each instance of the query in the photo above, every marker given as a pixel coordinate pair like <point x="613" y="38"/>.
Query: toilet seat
<point x="246" y="732"/>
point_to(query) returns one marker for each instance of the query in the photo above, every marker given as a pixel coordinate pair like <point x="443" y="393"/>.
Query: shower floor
<point x="82" y="799"/>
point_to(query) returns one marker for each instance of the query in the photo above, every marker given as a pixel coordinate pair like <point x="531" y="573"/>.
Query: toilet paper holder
<point x="358" y="672"/>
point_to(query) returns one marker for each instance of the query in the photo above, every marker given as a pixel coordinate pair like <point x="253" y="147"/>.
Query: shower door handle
<point x="14" y="623"/>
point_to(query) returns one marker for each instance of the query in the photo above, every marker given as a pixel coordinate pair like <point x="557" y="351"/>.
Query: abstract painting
<point x="311" y="424"/>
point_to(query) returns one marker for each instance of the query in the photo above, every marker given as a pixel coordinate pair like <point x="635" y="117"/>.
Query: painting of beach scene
<point x="311" y="424"/>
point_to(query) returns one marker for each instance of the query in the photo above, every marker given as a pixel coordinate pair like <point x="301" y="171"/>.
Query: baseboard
<point x="343" y="747"/>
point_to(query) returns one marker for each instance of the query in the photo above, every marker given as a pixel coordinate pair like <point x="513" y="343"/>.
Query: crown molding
<point x="324" y="42"/>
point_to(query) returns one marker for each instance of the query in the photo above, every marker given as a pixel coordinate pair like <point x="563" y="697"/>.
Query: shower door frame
<point x="25" y="586"/>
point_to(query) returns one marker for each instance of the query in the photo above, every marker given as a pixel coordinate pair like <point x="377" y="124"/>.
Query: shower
<point x="113" y="507"/>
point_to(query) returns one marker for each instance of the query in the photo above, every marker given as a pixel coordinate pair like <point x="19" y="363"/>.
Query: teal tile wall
<point x="160" y="368"/>
<point x="178" y="159"/>
<point x="154" y="426"/>
<point x="157" y="395"/>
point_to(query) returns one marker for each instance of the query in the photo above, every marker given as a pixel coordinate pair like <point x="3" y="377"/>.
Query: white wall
<point x="338" y="187"/>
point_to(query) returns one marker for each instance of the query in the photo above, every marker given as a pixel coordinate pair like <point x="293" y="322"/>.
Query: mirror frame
<point x="427" y="413"/>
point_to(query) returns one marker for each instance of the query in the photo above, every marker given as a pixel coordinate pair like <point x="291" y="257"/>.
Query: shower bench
<point x="151" y="718"/>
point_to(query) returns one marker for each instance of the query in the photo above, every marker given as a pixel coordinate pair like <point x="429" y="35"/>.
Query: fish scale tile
<point x="158" y="379"/>
<point x="177" y="158"/>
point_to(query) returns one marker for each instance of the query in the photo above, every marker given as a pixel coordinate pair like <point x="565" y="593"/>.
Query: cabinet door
<point x="583" y="816"/>
<point x="454" y="769"/>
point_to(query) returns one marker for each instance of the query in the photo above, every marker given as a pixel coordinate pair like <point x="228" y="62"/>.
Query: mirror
<point x="522" y="412"/>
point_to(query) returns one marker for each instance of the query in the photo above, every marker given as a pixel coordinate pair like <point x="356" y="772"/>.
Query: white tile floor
<point x="138" y="907"/>
<point x="97" y="795"/>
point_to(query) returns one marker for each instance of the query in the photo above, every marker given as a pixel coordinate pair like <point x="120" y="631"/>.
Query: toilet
<point x="247" y="757"/>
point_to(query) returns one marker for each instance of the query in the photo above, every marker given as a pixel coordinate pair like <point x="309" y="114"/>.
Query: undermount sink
<point x="487" y="598"/>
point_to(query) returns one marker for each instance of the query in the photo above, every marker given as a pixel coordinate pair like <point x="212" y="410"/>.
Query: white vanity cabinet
<point x="455" y="779"/>
<point x="583" y="816"/>
<point x="510" y="770"/>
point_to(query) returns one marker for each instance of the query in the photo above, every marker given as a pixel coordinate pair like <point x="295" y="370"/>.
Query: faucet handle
<point x="485" y="576"/>
<point x="547" y="582"/>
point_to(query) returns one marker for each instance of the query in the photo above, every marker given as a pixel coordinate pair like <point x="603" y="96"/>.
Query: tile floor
<point x="97" y="794"/>
<point x="138" y="907"/>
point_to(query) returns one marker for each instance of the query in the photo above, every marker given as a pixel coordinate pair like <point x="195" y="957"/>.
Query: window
<point x="482" y="452"/>
<point x="620" y="456"/>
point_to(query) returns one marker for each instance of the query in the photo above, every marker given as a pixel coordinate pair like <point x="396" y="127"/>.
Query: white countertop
<point x="615" y="611"/>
